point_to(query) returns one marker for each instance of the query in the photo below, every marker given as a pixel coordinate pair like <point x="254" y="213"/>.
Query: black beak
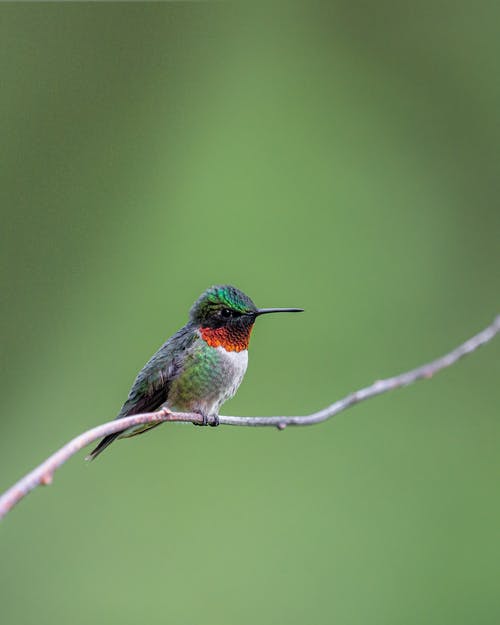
<point x="265" y="311"/>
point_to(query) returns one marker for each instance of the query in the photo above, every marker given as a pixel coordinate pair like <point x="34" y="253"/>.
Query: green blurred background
<point x="344" y="159"/>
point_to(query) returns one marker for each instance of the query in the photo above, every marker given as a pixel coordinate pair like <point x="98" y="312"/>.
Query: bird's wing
<point x="151" y="386"/>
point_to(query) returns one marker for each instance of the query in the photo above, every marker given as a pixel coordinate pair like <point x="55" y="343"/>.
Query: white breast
<point x="235" y="365"/>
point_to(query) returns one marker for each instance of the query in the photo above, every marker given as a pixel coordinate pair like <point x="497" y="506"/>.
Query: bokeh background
<point x="340" y="158"/>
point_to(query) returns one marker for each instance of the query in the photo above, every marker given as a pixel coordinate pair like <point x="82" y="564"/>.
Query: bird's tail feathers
<point x="107" y="440"/>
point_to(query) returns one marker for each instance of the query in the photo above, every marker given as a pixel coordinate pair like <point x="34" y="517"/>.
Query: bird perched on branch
<point x="201" y="366"/>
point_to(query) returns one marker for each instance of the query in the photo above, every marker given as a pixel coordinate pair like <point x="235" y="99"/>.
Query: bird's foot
<point x="212" y="420"/>
<point x="204" y="420"/>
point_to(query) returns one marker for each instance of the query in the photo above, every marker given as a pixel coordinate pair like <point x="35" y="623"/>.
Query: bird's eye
<point x="226" y="313"/>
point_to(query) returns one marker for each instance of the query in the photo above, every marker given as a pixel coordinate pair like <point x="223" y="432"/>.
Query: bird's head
<point x="225" y="317"/>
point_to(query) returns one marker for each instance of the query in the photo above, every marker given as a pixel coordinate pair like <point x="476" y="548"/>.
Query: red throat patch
<point x="231" y="339"/>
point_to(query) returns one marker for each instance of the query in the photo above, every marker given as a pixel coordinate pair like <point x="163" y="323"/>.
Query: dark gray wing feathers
<point x="151" y="386"/>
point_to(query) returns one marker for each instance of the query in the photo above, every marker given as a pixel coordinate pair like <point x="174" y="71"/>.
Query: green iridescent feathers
<point x="218" y="297"/>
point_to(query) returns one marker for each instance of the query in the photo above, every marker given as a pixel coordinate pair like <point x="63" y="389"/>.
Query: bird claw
<point x="211" y="420"/>
<point x="203" y="422"/>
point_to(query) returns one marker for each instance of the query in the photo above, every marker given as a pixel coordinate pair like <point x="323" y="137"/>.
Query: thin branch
<point x="43" y="474"/>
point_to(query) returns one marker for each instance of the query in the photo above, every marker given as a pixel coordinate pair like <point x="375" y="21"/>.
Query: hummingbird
<point x="201" y="366"/>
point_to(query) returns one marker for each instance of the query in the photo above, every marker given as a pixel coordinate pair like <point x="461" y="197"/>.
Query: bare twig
<point x="43" y="474"/>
